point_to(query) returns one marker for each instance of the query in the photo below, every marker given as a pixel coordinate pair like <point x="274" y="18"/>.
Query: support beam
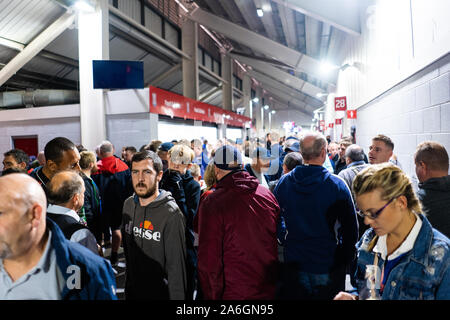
<point x="281" y="76"/>
<point x="164" y="75"/>
<point x="189" y="41"/>
<point x="227" y="88"/>
<point x="342" y="14"/>
<point x="288" y="22"/>
<point x="291" y="57"/>
<point x="35" y="46"/>
<point x="93" y="44"/>
<point x="208" y="94"/>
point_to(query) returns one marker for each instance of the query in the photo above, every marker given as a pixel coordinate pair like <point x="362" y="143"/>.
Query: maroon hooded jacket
<point x="237" y="252"/>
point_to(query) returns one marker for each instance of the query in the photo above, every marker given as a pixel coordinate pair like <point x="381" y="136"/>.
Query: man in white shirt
<point x="66" y="197"/>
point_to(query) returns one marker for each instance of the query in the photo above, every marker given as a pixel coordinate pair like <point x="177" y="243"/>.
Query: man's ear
<point x="36" y="215"/>
<point x="23" y="165"/>
<point x="52" y="165"/>
<point x="159" y="176"/>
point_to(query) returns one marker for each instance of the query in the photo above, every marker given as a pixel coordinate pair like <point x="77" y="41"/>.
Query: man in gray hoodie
<point x="154" y="235"/>
<point x="431" y="160"/>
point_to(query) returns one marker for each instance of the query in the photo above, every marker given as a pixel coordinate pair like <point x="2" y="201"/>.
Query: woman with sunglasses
<point x="401" y="257"/>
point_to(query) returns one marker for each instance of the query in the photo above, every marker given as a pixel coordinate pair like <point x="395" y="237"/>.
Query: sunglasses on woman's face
<point x="375" y="214"/>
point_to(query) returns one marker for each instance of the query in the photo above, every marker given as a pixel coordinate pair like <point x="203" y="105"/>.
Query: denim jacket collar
<point x="423" y="242"/>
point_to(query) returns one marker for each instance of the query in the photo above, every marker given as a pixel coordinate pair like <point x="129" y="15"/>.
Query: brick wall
<point x="414" y="111"/>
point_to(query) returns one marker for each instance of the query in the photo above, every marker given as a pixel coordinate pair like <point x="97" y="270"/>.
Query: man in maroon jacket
<point x="237" y="251"/>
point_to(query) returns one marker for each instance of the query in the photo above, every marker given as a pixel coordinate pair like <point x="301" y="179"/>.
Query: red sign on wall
<point x="351" y="114"/>
<point x="322" y="123"/>
<point x="340" y="103"/>
<point x="174" y="105"/>
<point x="338" y="121"/>
<point x="331" y="125"/>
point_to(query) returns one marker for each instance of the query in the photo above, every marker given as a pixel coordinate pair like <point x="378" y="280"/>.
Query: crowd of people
<point x="299" y="218"/>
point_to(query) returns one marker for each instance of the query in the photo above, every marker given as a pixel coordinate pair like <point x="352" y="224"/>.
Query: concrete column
<point x="227" y="88"/>
<point x="257" y="111"/>
<point x="221" y="131"/>
<point x="153" y="123"/>
<point x="189" y="42"/>
<point x="247" y="89"/>
<point x="93" y="44"/>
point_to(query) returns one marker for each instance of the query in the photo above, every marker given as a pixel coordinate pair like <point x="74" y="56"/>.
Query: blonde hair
<point x="195" y="170"/>
<point x="86" y="158"/>
<point x="392" y="181"/>
<point x="181" y="154"/>
<point x="210" y="175"/>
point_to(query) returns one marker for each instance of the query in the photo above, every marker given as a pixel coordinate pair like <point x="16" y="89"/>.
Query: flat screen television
<point x="118" y="74"/>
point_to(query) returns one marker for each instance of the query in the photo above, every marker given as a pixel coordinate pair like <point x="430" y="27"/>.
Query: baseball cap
<point x="292" y="138"/>
<point x="261" y="153"/>
<point x="166" y="146"/>
<point x="227" y="158"/>
<point x="292" y="145"/>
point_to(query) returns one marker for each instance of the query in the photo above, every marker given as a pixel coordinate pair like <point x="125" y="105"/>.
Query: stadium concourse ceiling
<point x="281" y="50"/>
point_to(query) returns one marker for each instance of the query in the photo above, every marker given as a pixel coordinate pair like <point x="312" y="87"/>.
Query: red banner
<point x="351" y="114"/>
<point x="174" y="105"/>
<point x="338" y="121"/>
<point x="340" y="103"/>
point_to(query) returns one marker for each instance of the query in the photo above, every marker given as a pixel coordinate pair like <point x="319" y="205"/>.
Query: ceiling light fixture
<point x="259" y="12"/>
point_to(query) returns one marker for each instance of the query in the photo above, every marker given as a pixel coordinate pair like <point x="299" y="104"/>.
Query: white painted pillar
<point x="93" y="44"/>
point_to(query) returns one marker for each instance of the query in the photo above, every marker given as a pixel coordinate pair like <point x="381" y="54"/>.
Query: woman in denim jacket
<point x="401" y="257"/>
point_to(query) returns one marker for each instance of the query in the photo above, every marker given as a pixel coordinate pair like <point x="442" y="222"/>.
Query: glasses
<point x="374" y="215"/>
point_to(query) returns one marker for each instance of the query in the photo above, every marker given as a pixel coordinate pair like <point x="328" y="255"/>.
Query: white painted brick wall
<point x="417" y="110"/>
<point x="44" y="129"/>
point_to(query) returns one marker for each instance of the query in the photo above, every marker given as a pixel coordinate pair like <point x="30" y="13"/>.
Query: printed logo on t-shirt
<point x="145" y="230"/>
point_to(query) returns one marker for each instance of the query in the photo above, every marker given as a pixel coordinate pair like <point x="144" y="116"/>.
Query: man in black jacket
<point x="432" y="165"/>
<point x="178" y="180"/>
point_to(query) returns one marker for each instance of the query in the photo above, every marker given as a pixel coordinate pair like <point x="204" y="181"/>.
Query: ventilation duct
<point x="38" y="98"/>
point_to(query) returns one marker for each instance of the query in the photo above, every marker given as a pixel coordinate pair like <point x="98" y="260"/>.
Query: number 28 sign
<point x="340" y="103"/>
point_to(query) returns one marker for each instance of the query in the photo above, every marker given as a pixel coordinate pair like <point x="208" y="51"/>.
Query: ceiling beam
<point x="281" y="76"/>
<point x="341" y="14"/>
<point x="35" y="46"/>
<point x="288" y="22"/>
<point x="259" y="43"/>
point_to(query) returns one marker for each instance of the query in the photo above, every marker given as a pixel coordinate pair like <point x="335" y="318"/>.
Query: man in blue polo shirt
<point x="36" y="261"/>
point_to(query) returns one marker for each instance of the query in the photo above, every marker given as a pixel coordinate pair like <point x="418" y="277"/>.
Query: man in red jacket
<point x="237" y="251"/>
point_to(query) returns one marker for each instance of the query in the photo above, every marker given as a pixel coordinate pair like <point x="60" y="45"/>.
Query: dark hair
<point x="18" y="155"/>
<point x="293" y="159"/>
<point x="54" y="148"/>
<point x="131" y="148"/>
<point x="62" y="193"/>
<point x="354" y="152"/>
<point x="433" y="154"/>
<point x="147" y="154"/>
<point x="81" y="148"/>
<point x="13" y="170"/>
<point x="385" y="139"/>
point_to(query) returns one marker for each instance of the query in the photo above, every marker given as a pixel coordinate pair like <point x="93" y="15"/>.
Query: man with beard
<point x="154" y="235"/>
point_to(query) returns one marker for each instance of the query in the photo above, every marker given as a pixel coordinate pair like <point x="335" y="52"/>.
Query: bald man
<point x="36" y="261"/>
<point x="65" y="193"/>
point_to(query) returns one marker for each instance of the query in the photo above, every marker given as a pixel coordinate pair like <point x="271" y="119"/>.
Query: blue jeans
<point x="300" y="285"/>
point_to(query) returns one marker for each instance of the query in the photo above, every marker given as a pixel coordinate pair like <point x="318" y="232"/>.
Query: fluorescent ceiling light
<point x="273" y="111"/>
<point x="84" y="6"/>
<point x="266" y="107"/>
<point x="326" y="67"/>
<point x="266" y="7"/>
<point x="259" y="12"/>
<point x="255" y="99"/>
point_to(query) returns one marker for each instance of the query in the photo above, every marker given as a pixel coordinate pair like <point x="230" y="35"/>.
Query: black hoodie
<point x="155" y="249"/>
<point x="435" y="197"/>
